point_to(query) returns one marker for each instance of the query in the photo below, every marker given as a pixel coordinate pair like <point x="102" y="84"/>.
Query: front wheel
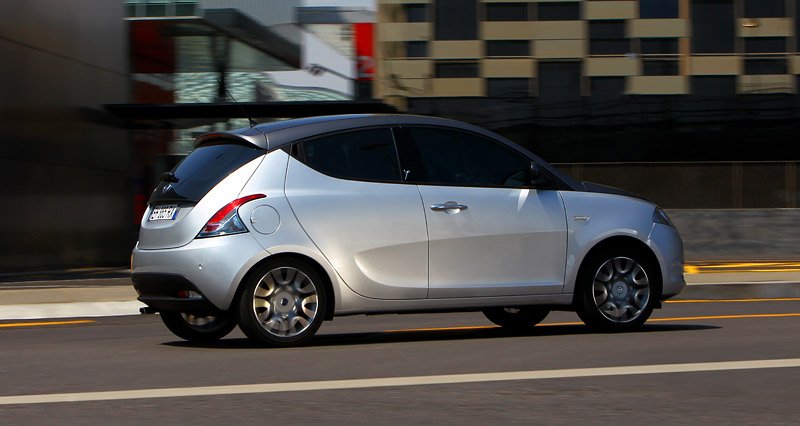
<point x="617" y="290"/>
<point x="282" y="303"/>
<point x="516" y="319"/>
<point x="198" y="328"/>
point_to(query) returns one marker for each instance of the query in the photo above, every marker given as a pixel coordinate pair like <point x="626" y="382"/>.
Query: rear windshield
<point x="202" y="169"/>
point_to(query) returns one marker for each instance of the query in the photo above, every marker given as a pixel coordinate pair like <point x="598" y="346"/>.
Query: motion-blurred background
<point x="692" y="103"/>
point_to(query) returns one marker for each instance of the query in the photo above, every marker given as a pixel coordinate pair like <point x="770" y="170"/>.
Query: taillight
<point x="226" y="221"/>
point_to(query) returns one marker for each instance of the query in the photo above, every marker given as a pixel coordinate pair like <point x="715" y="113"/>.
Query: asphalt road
<point x="297" y="385"/>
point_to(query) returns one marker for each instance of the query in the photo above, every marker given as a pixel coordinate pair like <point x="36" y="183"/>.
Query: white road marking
<point x="397" y="381"/>
<point x="69" y="310"/>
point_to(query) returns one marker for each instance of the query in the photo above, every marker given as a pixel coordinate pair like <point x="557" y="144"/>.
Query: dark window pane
<point x="185" y="9"/>
<point x="456" y="19"/>
<point x="463" y="159"/>
<point x="608" y="38"/>
<point x="559" y="11"/>
<point x="659" y="46"/>
<point x="507" y="48"/>
<point x="765" y="45"/>
<point x="156" y="9"/>
<point x="506" y="11"/>
<point x="764" y="8"/>
<point x="797" y="22"/>
<point x="203" y="169"/>
<point x="765" y="66"/>
<point x="660" y="67"/>
<point x="655" y="9"/>
<point x="714" y="85"/>
<point x="507" y="87"/>
<point x="559" y="82"/>
<point x="416" y="12"/>
<point x="713" y="26"/>
<point x="361" y="155"/>
<point x="416" y="49"/>
<point x="605" y="88"/>
<point x="456" y="70"/>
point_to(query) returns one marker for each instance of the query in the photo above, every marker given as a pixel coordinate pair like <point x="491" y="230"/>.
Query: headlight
<point x="660" y="217"/>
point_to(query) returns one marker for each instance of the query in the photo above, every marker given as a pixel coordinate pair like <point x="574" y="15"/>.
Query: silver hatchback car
<point x="281" y="226"/>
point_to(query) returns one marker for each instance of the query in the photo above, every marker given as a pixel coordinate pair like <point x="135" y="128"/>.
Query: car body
<point x="386" y="214"/>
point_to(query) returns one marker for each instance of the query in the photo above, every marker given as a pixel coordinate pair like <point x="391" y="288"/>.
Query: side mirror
<point x="538" y="178"/>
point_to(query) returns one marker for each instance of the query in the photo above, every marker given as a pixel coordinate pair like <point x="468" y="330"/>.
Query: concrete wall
<point x="65" y="198"/>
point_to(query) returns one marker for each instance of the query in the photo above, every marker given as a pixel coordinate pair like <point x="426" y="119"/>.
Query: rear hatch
<point x="208" y="178"/>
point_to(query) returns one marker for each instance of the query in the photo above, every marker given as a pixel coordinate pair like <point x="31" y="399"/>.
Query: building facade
<point x="650" y="95"/>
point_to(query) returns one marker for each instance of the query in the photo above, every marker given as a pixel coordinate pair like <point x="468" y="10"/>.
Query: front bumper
<point x="666" y="243"/>
<point x="211" y="267"/>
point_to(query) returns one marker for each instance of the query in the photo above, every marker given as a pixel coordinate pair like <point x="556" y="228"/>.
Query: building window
<point x="764" y="66"/>
<point x="765" y="45"/>
<point x="508" y="48"/>
<point x="416" y="12"/>
<point x="456" y="19"/>
<point x="559" y="11"/>
<point x="764" y="8"/>
<point x="506" y="11"/>
<point x="714" y="85"/>
<point x="507" y="87"/>
<point x="559" y="82"/>
<point x="713" y="26"/>
<point x="660" y="67"/>
<point x="416" y="49"/>
<point x="608" y="38"/>
<point x="453" y="69"/>
<point x="658" y="46"/>
<point x="658" y="9"/>
<point x="607" y="88"/>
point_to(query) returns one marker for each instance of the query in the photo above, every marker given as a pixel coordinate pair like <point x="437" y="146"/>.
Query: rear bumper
<point x="168" y="292"/>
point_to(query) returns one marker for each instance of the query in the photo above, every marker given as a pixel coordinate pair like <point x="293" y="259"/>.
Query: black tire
<point x="198" y="328"/>
<point x="518" y="318"/>
<point x="279" y="309"/>
<point x="600" y="294"/>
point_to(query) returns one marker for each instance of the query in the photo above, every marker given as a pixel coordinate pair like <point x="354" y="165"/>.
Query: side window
<point x="457" y="158"/>
<point x="360" y="155"/>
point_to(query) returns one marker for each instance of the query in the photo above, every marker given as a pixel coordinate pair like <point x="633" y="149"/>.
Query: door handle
<point x="448" y="207"/>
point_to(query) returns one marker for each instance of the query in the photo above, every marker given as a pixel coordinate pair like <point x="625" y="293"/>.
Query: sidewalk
<point x="108" y="293"/>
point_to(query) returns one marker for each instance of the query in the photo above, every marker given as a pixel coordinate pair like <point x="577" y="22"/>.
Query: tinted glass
<point x="506" y="11"/>
<point x="764" y="8"/>
<point x="765" y="66"/>
<point x="456" y="70"/>
<point x="360" y="155"/>
<point x="714" y="85"/>
<point x="655" y="9"/>
<point x="660" y="67"/>
<point x="416" y="12"/>
<point x="605" y="88"/>
<point x="559" y="11"/>
<point x="463" y="159"/>
<point x="507" y="48"/>
<point x="713" y="26"/>
<point x="559" y="82"/>
<point x="456" y="19"/>
<point x="765" y="45"/>
<point x="608" y="38"/>
<point x="507" y="87"/>
<point x="655" y="46"/>
<point x="416" y="49"/>
<point x="203" y="169"/>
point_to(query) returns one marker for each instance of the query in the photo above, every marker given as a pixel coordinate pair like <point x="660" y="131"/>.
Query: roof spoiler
<point x="255" y="138"/>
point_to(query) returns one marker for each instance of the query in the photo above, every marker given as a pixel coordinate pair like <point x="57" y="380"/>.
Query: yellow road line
<point x="774" y="299"/>
<point x="555" y="324"/>
<point x="698" y="268"/>
<point x="44" y="323"/>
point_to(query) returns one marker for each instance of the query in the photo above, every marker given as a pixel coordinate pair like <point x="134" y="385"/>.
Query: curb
<point x="759" y="290"/>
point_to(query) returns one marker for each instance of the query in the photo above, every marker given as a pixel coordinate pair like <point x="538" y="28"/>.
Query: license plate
<point x="164" y="212"/>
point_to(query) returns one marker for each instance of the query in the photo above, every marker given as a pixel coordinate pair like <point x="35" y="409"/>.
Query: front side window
<point x="455" y="158"/>
<point x="359" y="155"/>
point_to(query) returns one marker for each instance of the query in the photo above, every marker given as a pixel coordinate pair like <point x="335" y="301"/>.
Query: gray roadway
<point x="126" y="353"/>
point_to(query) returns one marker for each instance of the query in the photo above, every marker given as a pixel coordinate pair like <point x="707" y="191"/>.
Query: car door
<point x="345" y="191"/>
<point x="489" y="232"/>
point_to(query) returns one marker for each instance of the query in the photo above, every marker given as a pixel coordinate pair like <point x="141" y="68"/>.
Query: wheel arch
<point x="618" y="242"/>
<point x="330" y="304"/>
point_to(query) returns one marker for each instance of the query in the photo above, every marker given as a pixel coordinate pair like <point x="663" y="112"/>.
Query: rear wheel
<point x="198" y="328"/>
<point x="283" y="303"/>
<point x="519" y="318"/>
<point x="617" y="290"/>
